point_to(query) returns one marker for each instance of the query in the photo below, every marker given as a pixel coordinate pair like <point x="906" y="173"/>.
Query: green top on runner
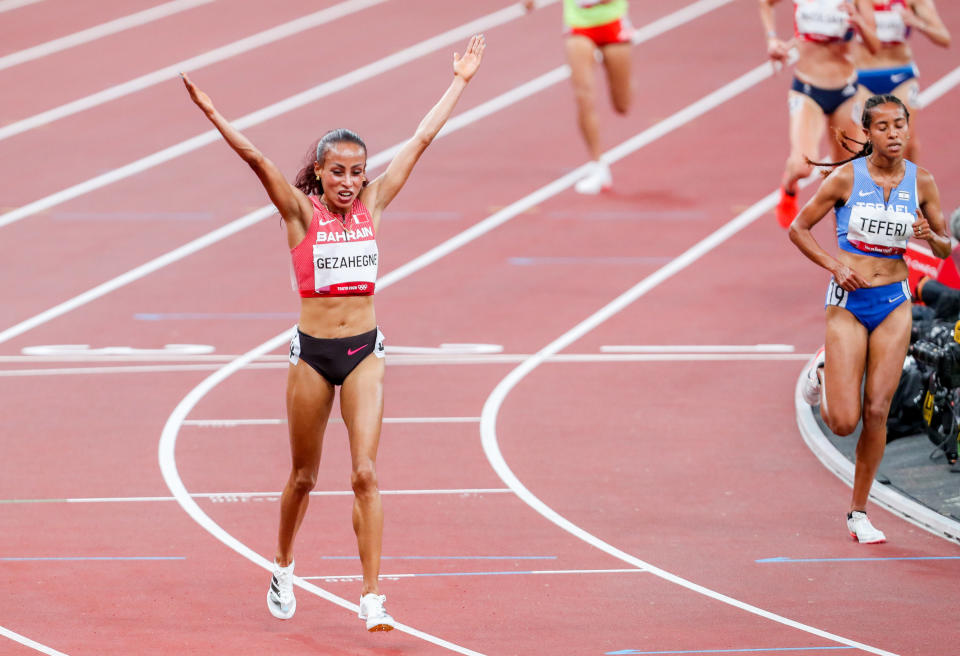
<point x="590" y="13"/>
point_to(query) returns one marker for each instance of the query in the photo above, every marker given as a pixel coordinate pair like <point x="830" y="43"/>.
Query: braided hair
<point x="306" y="180"/>
<point x="866" y="118"/>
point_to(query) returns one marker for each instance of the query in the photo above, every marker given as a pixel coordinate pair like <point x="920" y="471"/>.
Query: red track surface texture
<point x="675" y="478"/>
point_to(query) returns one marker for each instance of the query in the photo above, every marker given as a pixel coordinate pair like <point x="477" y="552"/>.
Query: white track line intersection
<point x="495" y="400"/>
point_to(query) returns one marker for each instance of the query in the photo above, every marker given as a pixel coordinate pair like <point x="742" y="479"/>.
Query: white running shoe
<point x="597" y="179"/>
<point x="811" y="384"/>
<point x="280" y="600"/>
<point x="862" y="530"/>
<point x="372" y="610"/>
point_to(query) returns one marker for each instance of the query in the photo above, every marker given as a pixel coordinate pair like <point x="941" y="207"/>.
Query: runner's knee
<point x="875" y="412"/>
<point x="303" y="480"/>
<point x="364" y="480"/>
<point x="842" y="425"/>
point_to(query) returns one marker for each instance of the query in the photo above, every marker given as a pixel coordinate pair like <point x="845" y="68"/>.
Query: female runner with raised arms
<point x="881" y="199"/>
<point x="332" y="216"/>
<point x="891" y="69"/>
<point x="825" y="80"/>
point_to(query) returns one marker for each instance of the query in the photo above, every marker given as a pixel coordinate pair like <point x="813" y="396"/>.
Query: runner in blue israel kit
<point x="868" y="225"/>
<point x="881" y="200"/>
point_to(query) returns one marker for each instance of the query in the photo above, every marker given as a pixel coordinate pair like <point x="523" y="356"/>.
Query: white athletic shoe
<point x="597" y="179"/>
<point x="811" y="384"/>
<point x="372" y="610"/>
<point x="280" y="600"/>
<point x="862" y="530"/>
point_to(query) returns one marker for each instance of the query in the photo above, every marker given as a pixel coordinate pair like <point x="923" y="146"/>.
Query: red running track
<point x="687" y="467"/>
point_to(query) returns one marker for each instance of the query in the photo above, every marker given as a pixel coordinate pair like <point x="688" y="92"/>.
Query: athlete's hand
<point x="848" y="278"/>
<point x="201" y="99"/>
<point x="467" y="65"/>
<point x="910" y="19"/>
<point x="921" y="229"/>
<point x="778" y="50"/>
<point x="528" y="5"/>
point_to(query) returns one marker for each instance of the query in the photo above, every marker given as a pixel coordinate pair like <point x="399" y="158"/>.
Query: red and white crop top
<point x="821" y="20"/>
<point x="337" y="258"/>
<point x="890" y="25"/>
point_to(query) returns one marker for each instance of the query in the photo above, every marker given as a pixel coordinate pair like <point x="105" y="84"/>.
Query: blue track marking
<point x="785" y="559"/>
<point x="49" y="558"/>
<point x="445" y="557"/>
<point x="203" y="316"/>
<point x="767" y="650"/>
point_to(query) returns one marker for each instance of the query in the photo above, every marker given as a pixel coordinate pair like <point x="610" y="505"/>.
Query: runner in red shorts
<point x="592" y="26"/>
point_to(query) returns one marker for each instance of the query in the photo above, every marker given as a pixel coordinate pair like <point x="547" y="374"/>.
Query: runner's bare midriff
<point x="337" y="316"/>
<point x="875" y="270"/>
<point x="890" y="55"/>
<point x="825" y="65"/>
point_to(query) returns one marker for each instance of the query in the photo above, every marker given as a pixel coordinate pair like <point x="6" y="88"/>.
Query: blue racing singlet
<point x="870" y="225"/>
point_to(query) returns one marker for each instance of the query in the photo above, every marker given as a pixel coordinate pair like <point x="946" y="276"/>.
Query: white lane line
<point x="458" y="122"/>
<point x="495" y="401"/>
<point x="230" y="423"/>
<point x="23" y="640"/>
<point x="698" y="348"/>
<point x="397" y="577"/>
<point x="362" y="74"/>
<point x="99" y="31"/>
<point x="656" y="28"/>
<point x="224" y="497"/>
<point x="222" y="53"/>
<point x="394" y="358"/>
<point x="7" y="5"/>
<point x="424" y="361"/>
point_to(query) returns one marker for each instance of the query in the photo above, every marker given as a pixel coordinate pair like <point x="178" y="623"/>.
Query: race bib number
<point x="351" y="263"/>
<point x="875" y="230"/>
<point x="836" y="295"/>
<point x="890" y="26"/>
<point x="822" y="18"/>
